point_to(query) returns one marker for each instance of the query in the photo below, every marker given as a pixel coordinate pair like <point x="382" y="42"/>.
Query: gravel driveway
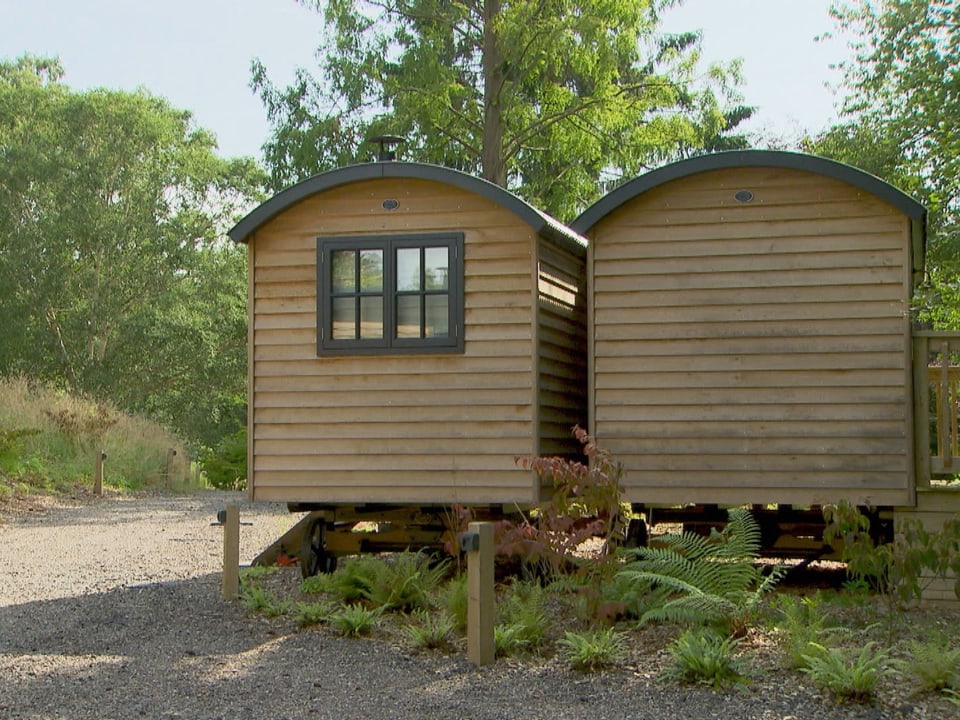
<point x="111" y="609"/>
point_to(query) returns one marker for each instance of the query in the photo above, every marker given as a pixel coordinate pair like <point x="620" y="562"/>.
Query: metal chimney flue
<point x="388" y="144"/>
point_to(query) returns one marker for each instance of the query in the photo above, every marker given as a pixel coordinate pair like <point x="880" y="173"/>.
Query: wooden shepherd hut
<point x="750" y="332"/>
<point x="413" y="330"/>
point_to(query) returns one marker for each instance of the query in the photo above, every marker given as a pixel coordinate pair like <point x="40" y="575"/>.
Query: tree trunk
<point x="493" y="168"/>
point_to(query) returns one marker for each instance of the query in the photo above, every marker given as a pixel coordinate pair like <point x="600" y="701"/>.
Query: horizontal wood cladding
<point x="754" y="352"/>
<point x="562" y="350"/>
<point x="391" y="428"/>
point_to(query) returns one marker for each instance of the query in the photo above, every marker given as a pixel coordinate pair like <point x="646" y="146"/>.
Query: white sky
<point x="197" y="53"/>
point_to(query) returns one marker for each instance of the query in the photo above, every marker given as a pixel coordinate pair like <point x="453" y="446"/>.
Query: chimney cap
<point x="387" y="143"/>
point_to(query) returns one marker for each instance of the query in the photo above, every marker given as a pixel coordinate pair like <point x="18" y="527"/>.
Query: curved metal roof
<point x="541" y="223"/>
<point x="748" y="158"/>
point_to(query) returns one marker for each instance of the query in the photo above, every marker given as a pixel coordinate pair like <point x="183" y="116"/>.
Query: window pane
<point x="408" y="269"/>
<point x="344" y="319"/>
<point x="371" y="270"/>
<point x="408" y="316"/>
<point x="344" y="270"/>
<point x="371" y="317"/>
<point x="437" y="268"/>
<point x="438" y="316"/>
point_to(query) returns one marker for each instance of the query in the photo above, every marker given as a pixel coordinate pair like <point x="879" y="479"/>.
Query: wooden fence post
<point x="481" y="599"/>
<point x="171" y="454"/>
<point x="230" y="586"/>
<point x="98" y="472"/>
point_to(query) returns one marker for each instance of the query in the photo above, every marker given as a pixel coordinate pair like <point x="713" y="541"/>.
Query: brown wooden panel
<point x="753" y="329"/>
<point x="641" y="297"/>
<point x="408" y="379"/>
<point x="680" y="377"/>
<point x="385" y="465"/>
<point x="385" y="428"/>
<point x="632" y="245"/>
<point x="793" y="489"/>
<point x="398" y="414"/>
<point x="626" y="432"/>
<point x="749" y="346"/>
<point x="749" y="412"/>
<point x="673" y="316"/>
<point x="761" y="361"/>
<point x="784" y="396"/>
<point x="809" y="278"/>
<point x="342" y="401"/>
<point x="335" y="367"/>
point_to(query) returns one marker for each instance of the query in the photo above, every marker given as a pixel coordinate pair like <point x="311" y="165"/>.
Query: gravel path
<point x="111" y="609"/>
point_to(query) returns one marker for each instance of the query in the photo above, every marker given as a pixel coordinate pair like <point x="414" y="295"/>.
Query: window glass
<point x="371" y="270"/>
<point x="408" y="269"/>
<point x="344" y="273"/>
<point x="371" y="316"/>
<point x="344" y="319"/>
<point x="437" y="316"/>
<point x="437" y="268"/>
<point x="408" y="316"/>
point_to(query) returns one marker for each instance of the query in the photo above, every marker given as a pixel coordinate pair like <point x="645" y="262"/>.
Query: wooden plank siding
<point x="753" y="352"/>
<point x="435" y="428"/>
<point x="562" y="349"/>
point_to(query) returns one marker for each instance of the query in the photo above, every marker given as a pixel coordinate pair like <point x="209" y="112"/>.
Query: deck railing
<point x="936" y="404"/>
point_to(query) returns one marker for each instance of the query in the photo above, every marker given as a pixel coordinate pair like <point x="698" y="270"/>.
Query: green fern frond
<point x="709" y="580"/>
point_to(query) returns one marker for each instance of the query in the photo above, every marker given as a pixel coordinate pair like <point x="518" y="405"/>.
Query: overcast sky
<point x="197" y="53"/>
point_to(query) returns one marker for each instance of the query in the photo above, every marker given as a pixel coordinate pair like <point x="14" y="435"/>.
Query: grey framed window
<point x="390" y="294"/>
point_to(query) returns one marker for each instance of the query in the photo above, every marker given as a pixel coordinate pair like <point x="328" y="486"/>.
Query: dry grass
<point x="49" y="439"/>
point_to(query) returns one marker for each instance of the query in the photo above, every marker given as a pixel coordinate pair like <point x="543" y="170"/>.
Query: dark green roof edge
<point x="749" y="158"/>
<point x="541" y="223"/>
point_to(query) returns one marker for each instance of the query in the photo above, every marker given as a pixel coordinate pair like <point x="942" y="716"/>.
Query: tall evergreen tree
<point x="545" y="97"/>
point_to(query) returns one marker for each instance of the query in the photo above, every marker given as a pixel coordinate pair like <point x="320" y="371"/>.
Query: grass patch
<point x="48" y="440"/>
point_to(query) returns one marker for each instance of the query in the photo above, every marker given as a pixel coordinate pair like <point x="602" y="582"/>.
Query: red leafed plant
<point x="584" y="505"/>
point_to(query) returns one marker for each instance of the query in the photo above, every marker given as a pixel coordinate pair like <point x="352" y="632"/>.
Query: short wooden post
<point x="230" y="588"/>
<point x="481" y="600"/>
<point x="171" y="454"/>
<point x="98" y="472"/>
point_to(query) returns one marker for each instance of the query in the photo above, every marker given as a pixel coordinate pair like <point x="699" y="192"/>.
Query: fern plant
<point x="704" y="656"/>
<point x="354" y="620"/>
<point x="934" y="664"/>
<point x="594" y="649"/>
<point x="308" y="614"/>
<point x="407" y="583"/>
<point x="847" y="675"/>
<point x="708" y="580"/>
<point x="430" y="630"/>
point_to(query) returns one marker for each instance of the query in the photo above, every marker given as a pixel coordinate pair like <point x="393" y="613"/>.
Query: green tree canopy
<point x="902" y="101"/>
<point x="545" y="97"/>
<point x="112" y="267"/>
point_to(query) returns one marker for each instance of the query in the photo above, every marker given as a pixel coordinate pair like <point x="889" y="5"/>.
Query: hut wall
<point x="754" y="352"/>
<point x="562" y="349"/>
<point x="431" y="428"/>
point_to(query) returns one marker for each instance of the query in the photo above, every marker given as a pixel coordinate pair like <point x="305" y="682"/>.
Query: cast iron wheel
<point x="313" y="551"/>
<point x="636" y="533"/>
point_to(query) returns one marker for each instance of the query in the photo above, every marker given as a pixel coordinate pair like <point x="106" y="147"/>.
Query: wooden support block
<point x="230" y="587"/>
<point x="98" y="472"/>
<point x="481" y="600"/>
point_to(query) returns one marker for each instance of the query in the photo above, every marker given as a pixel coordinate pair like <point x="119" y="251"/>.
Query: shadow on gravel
<point x="177" y="650"/>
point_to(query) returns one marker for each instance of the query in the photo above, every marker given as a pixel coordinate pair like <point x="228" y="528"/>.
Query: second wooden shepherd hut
<point x="750" y="332"/>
